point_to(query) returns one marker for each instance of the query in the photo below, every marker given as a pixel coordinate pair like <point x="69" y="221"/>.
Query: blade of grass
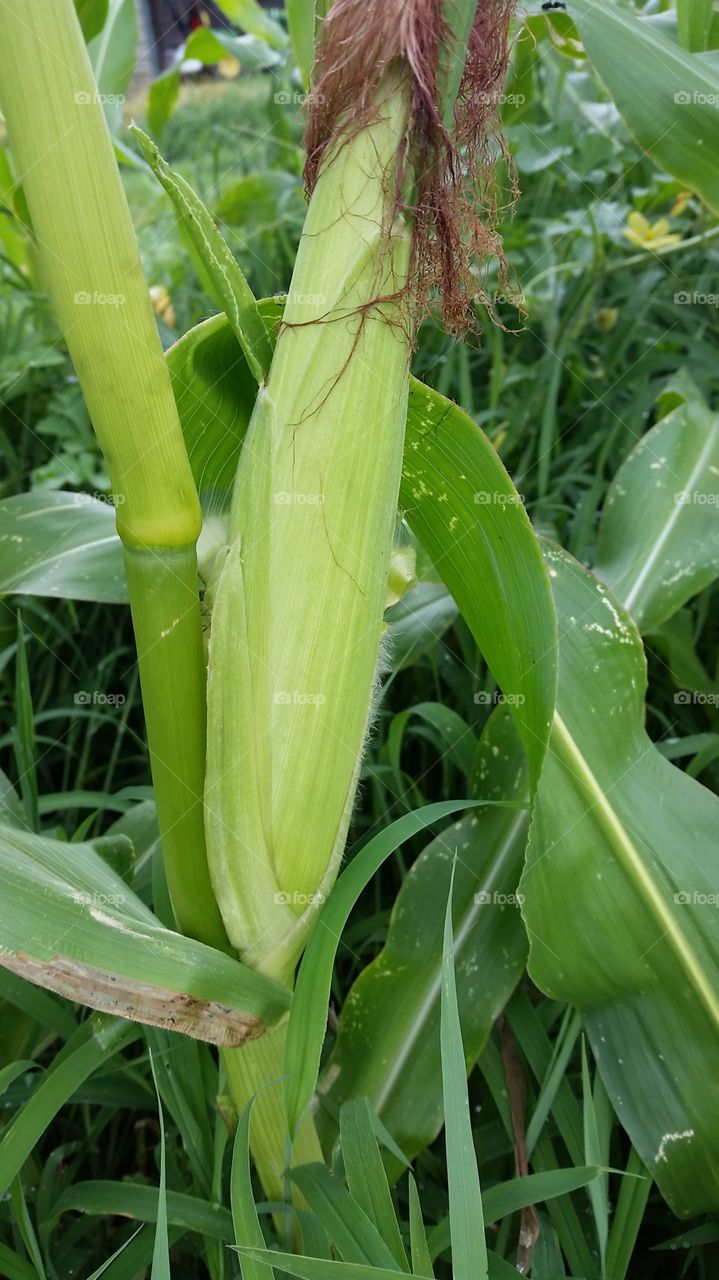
<point x="469" y="1247"/>
<point x="248" y="1231"/>
<point x="366" y="1176"/>
<point x="421" y="1259"/>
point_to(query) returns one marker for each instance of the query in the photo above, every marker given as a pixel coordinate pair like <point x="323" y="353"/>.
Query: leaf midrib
<point x="570" y="755"/>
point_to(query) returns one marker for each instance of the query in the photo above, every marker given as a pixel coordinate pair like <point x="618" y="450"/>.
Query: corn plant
<point x="260" y="680"/>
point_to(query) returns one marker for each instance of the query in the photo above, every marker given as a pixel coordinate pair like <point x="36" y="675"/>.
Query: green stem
<point x="257" y="1070"/>
<point x="90" y="260"/>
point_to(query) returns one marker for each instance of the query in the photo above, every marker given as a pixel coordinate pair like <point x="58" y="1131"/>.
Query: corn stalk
<point x="91" y="263"/>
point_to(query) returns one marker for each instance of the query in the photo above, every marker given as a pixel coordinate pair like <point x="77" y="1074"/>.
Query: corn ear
<point x="298" y="614"/>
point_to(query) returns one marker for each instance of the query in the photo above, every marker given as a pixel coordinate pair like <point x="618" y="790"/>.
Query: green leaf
<point x="69" y="923"/>
<point x="666" y="95"/>
<point x="92" y="1045"/>
<point x="421" y="1258"/>
<point x="92" y="15"/>
<point x="247" y="1229"/>
<point x="354" y="1236"/>
<point x="659" y="536"/>
<point x="466" y="1217"/>
<point x="162" y="98"/>
<point x="628" y="1216"/>
<point x="388" y="1044"/>
<point x="321" y="1268"/>
<point x="366" y="1176"/>
<point x="161" y="1251"/>
<point x="622" y="917"/>
<point x="301" y="18"/>
<point x="694" y="19"/>
<point x="463" y="508"/>
<point x="458" y="16"/>
<point x="418" y="621"/>
<point x="212" y="44"/>
<point x="238" y="299"/>
<point x="131" y="1200"/>
<point x="60" y="544"/>
<point x="248" y="15"/>
<point x="308" y="1019"/>
<point x="257" y="199"/>
<point x="113" y="54"/>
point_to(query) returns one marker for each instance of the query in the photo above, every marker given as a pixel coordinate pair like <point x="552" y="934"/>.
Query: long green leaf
<point x="620" y="893"/>
<point x="71" y="924"/>
<point x="237" y="297"/>
<point x="666" y="95"/>
<point x="466" y="1217"/>
<point x="308" y="1018"/>
<point x="366" y="1176"/>
<point x="60" y="544"/>
<point x="388" y="1045"/>
<point x="246" y="1224"/>
<point x="657" y="551"/>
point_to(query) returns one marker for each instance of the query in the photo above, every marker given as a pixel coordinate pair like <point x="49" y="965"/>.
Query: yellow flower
<point x="229" y="68"/>
<point x="651" y="236"/>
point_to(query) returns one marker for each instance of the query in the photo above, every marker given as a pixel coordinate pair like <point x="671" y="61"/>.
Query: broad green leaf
<point x="388" y="1045"/>
<point x="69" y="923"/>
<point x="466" y="1218"/>
<point x="248" y="15"/>
<point x="463" y="508"/>
<point x="212" y="44"/>
<point x="60" y="544"/>
<point x="308" y="1019"/>
<point x="237" y="298"/>
<point x="667" y="96"/>
<point x="659" y="535"/>
<point x="620" y="896"/>
<point x="694" y="18"/>
<point x="459" y="502"/>
<point x="366" y="1176"/>
<point x="14" y="1267"/>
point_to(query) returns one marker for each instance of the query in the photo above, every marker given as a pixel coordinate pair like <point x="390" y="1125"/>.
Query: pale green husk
<point x="297" y="620"/>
